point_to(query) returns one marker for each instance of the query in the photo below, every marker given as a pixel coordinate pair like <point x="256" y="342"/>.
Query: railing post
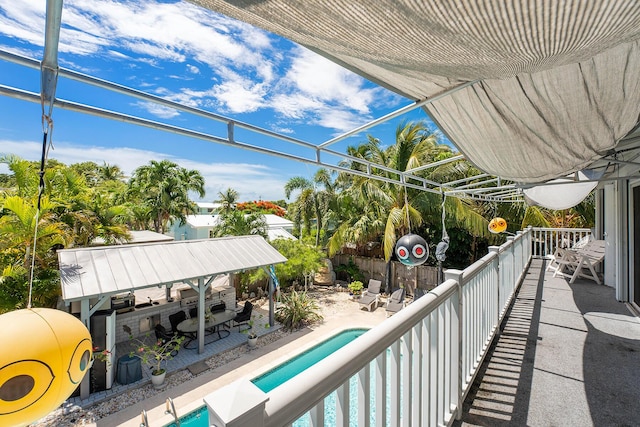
<point x="496" y="249"/>
<point x="238" y="404"/>
<point x="457" y="276"/>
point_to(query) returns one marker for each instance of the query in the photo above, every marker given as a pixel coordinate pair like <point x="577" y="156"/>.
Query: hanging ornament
<point x="412" y="250"/>
<point x="50" y="352"/>
<point x="497" y="225"/>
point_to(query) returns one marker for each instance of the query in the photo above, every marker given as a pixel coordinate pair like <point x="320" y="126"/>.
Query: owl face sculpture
<point x="46" y="354"/>
<point x="497" y="225"/>
<point x="412" y="250"/>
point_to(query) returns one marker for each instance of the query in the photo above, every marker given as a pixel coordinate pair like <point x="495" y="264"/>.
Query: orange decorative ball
<point x="497" y="225"/>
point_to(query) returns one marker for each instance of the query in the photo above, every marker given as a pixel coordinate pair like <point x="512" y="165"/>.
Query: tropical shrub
<point x="297" y="309"/>
<point x="302" y="260"/>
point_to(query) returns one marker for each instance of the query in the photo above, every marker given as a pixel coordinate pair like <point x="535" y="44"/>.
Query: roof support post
<point x="201" y="292"/>
<point x="85" y="317"/>
<point x="49" y="65"/>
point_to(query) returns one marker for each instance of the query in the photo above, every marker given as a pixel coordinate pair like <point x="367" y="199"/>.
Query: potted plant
<point x="355" y="288"/>
<point x="153" y="355"/>
<point x="252" y="336"/>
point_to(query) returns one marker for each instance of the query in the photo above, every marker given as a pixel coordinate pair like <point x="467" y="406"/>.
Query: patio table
<point x="213" y="322"/>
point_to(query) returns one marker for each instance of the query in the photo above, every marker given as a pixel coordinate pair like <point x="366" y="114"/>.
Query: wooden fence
<point x="423" y="277"/>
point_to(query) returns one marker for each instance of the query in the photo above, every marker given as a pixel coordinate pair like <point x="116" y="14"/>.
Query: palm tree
<point x="228" y="200"/>
<point x="389" y="210"/>
<point x="18" y="228"/>
<point x="108" y="172"/>
<point x="311" y="203"/>
<point x="164" y="187"/>
<point x="236" y="223"/>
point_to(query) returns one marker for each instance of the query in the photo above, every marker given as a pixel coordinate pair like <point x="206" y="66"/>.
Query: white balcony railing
<point x="414" y="369"/>
<point x="546" y="240"/>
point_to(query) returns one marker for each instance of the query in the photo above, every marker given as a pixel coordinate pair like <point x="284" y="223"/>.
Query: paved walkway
<point x="569" y="355"/>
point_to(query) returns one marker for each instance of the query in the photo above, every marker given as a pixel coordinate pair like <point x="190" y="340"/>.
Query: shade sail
<point x="561" y="193"/>
<point x="558" y="81"/>
<point x="92" y="272"/>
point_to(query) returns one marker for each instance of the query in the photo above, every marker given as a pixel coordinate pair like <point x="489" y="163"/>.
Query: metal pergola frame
<point x="482" y="187"/>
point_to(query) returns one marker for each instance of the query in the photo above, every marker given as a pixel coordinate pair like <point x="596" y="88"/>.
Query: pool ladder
<point x="171" y="409"/>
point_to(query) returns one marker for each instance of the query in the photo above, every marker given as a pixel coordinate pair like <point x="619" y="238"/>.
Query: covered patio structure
<point x="95" y="274"/>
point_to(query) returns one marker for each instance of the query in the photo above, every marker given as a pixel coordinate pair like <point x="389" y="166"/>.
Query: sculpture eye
<point x="22" y="384"/>
<point x="80" y="361"/>
<point x="402" y="252"/>
<point x="419" y="251"/>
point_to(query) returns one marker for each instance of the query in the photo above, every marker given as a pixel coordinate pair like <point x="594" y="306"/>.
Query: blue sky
<point x="193" y="56"/>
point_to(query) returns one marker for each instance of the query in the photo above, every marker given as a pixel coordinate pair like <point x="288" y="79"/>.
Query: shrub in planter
<point x="297" y="309"/>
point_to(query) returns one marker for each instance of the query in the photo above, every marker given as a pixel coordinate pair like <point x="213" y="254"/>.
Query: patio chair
<point x="164" y="336"/>
<point x="395" y="302"/>
<point x="243" y="317"/>
<point x="371" y="296"/>
<point x="175" y="320"/>
<point x="582" y="262"/>
<point x="563" y="251"/>
<point x="418" y="293"/>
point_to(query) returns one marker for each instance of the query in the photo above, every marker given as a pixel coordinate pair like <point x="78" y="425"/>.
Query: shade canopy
<point x="93" y="272"/>
<point x="562" y="193"/>
<point x="555" y="83"/>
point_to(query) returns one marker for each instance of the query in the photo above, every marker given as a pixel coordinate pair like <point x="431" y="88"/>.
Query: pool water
<point x="284" y="372"/>
<point x="292" y="367"/>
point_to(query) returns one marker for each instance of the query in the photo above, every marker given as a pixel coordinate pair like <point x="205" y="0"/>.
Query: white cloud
<point x="247" y="73"/>
<point x="158" y="110"/>
<point x="243" y="177"/>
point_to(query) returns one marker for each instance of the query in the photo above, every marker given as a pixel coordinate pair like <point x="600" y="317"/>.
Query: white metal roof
<point x="208" y="220"/>
<point x="280" y="233"/>
<point x="138" y="236"/>
<point x="93" y="272"/>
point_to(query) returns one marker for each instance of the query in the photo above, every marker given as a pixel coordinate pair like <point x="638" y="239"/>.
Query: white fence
<point x="414" y="369"/>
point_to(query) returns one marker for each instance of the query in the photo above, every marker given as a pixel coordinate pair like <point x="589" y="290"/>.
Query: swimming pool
<point x="282" y="373"/>
<point x="292" y="367"/>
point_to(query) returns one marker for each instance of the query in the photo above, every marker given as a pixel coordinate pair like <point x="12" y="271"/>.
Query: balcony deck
<point x="567" y="355"/>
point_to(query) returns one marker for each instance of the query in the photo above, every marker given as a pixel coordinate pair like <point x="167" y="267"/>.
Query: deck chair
<point x="175" y="319"/>
<point x="418" y="293"/>
<point x="164" y="336"/>
<point x="581" y="262"/>
<point x="243" y="317"/>
<point x="563" y="251"/>
<point x="371" y="296"/>
<point x="395" y="303"/>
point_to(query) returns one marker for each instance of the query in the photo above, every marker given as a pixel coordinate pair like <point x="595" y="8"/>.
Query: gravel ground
<point x="330" y="301"/>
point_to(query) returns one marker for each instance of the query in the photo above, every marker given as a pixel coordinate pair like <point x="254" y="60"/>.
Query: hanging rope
<point x="406" y="207"/>
<point x="442" y="247"/>
<point x="47" y="131"/>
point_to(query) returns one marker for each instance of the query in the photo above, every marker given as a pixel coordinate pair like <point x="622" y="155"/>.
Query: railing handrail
<point x="450" y="328"/>
<point x="328" y="374"/>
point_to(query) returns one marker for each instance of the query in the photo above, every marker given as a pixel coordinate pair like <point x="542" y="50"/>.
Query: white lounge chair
<point x="581" y="262"/>
<point x="371" y="296"/>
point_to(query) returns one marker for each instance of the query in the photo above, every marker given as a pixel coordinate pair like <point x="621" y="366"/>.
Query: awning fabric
<point x="99" y="271"/>
<point x="562" y="193"/>
<point x="558" y="81"/>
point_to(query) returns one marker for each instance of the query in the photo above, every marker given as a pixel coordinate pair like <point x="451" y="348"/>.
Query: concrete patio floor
<point x="568" y="355"/>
